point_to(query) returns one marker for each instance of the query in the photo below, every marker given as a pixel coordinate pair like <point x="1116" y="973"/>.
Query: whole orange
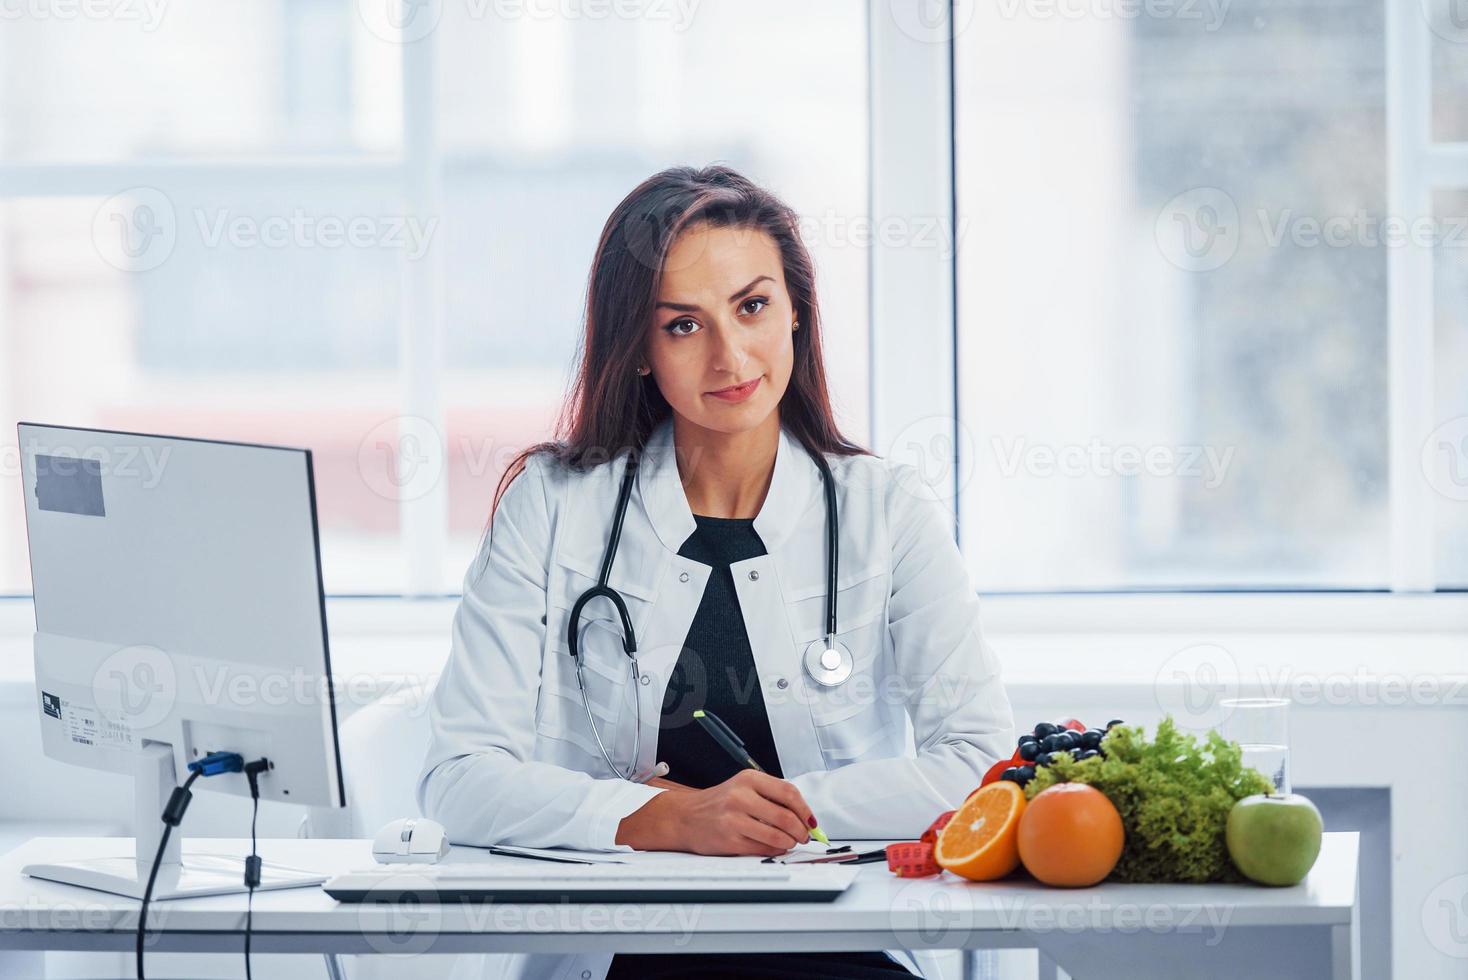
<point x="1070" y="835"/>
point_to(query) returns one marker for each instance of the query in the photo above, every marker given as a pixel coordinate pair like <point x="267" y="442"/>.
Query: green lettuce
<point x="1173" y="795"/>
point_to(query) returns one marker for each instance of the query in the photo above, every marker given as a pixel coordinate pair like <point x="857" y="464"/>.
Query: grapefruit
<point x="978" y="842"/>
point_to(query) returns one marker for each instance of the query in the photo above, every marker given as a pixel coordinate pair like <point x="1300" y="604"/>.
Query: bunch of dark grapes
<point x="1048" y="741"/>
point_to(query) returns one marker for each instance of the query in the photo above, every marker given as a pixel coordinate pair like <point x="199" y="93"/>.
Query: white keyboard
<point x="669" y="880"/>
<point x="666" y="870"/>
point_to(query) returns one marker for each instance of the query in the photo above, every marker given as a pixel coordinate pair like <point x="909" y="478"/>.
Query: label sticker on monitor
<point x="86" y="726"/>
<point x="69" y="485"/>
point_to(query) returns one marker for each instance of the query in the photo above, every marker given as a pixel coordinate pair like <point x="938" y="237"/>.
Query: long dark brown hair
<point x="609" y="406"/>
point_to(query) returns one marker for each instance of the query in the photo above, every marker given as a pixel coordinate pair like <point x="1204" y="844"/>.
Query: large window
<point x="365" y="228"/>
<point x="1180" y="362"/>
<point x="1179" y="287"/>
<point x="1445" y="452"/>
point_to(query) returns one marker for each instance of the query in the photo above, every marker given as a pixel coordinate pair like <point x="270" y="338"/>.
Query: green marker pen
<point x="731" y="743"/>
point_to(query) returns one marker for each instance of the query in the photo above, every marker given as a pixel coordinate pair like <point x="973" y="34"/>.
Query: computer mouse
<point x="411" y="840"/>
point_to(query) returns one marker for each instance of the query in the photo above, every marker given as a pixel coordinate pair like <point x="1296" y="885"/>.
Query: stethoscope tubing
<point x="832" y="558"/>
<point x="602" y="589"/>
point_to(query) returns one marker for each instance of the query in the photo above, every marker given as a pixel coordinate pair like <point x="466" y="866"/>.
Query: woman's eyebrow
<point x="693" y="307"/>
<point x="757" y="280"/>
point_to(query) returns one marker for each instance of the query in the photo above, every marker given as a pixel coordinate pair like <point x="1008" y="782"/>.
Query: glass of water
<point x="1261" y="727"/>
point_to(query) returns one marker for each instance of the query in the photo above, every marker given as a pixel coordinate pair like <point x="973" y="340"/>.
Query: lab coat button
<point x="585" y="975"/>
<point x="754" y="576"/>
<point x="683" y="577"/>
<point x="782" y="683"/>
<point x="644" y="680"/>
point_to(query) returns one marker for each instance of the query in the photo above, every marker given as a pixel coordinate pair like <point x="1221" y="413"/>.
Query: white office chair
<point x="383" y="746"/>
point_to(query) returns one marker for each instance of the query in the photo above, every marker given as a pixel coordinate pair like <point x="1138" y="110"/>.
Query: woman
<point x="702" y="362"/>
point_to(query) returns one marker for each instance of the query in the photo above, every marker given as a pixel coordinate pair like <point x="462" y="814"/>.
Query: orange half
<point x="981" y="842"/>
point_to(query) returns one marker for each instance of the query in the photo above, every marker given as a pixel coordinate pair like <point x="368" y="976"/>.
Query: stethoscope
<point x="827" y="661"/>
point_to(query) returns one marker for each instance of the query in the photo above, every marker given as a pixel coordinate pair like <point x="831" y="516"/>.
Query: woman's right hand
<point x="749" y="813"/>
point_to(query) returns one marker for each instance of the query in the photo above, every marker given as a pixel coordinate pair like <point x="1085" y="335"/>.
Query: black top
<point x="716" y="669"/>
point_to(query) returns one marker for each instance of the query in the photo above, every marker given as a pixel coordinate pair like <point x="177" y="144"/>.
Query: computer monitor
<point x="179" y="612"/>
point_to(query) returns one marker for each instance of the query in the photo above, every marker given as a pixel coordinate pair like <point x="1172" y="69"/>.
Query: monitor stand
<point x="179" y="876"/>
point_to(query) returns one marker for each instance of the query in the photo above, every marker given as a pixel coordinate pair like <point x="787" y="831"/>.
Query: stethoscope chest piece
<point x="827" y="664"/>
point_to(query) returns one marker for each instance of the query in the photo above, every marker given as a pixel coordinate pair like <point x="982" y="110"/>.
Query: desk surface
<point x="879" y="911"/>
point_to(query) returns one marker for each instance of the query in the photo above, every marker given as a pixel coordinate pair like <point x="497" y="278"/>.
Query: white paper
<point x="809" y="849"/>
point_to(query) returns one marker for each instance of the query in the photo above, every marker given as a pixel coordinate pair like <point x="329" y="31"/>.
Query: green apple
<point x="1272" y="839"/>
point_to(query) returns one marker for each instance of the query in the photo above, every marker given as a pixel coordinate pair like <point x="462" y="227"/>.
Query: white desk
<point x="1110" y="931"/>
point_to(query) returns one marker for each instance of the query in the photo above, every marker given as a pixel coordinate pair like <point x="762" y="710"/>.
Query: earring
<point x="644" y="369"/>
<point x="795" y="325"/>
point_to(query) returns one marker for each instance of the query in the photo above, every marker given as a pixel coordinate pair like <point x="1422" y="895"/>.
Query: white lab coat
<point x="909" y="735"/>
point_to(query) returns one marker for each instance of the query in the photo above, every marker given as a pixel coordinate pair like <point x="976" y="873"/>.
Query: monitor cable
<point x="252" y="863"/>
<point x="213" y="764"/>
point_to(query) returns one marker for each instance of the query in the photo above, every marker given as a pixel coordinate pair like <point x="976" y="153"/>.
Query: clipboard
<point x="845" y="857"/>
